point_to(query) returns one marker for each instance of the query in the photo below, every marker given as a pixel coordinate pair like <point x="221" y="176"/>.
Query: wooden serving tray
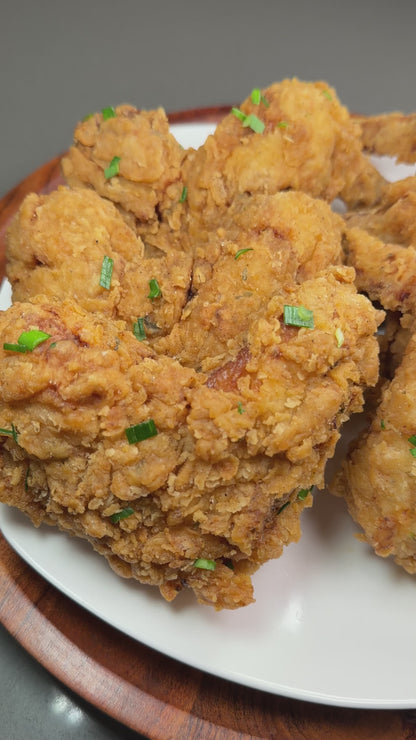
<point x="144" y="689"/>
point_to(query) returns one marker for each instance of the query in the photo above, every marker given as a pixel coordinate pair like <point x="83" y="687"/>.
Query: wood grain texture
<point x="147" y="691"/>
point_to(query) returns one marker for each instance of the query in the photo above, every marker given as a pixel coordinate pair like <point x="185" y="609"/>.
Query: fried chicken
<point x="56" y="246"/>
<point x="393" y="134"/>
<point x="378" y="480"/>
<point x="296" y="135"/>
<point x="146" y="179"/>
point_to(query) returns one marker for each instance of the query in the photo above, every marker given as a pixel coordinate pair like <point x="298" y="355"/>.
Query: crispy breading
<point x="56" y="245"/>
<point x="378" y="480"/>
<point x="393" y="134"/>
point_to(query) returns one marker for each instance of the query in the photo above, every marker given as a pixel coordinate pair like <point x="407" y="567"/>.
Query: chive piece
<point x="14" y="347"/>
<point x="282" y="124"/>
<point x="304" y="492"/>
<point x="238" y="114"/>
<point x="327" y="94"/>
<point x="240" y="408"/>
<point x="139" y="330"/>
<point x="298" y="316"/>
<point x="140" y="432"/>
<point x="412" y="440"/>
<point x="251" y="121"/>
<point x="184" y="194"/>
<point x="382" y="424"/>
<point x="256" y="96"/>
<point x="283" y="507"/>
<point x="413" y="451"/>
<point x="205" y="564"/>
<point x="123" y="514"/>
<point x="31" y="339"/>
<point x="10" y="433"/>
<point x="339" y="336"/>
<point x="106" y="272"/>
<point x="108" y="113"/>
<point x="87" y="117"/>
<point x="155" y="291"/>
<point x="113" y="168"/>
<point x="242" y="251"/>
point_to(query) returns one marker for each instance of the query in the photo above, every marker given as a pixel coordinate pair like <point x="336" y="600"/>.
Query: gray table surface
<point x="59" y="61"/>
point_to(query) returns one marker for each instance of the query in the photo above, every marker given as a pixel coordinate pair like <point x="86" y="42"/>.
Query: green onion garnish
<point x="106" y="272"/>
<point x="113" y="168"/>
<point x="139" y="330"/>
<point x="303" y="493"/>
<point x="238" y="114"/>
<point x="283" y="507"/>
<point x="413" y="451"/>
<point x="257" y="97"/>
<point x="327" y="94"/>
<point x="339" y="336"/>
<point x="123" y="514"/>
<point x="205" y="564"/>
<point x="251" y="121"/>
<point x="87" y="117"/>
<point x="382" y="424"/>
<point x="27" y="341"/>
<point x="184" y="193"/>
<point x="108" y="113"/>
<point x="140" y="432"/>
<point x="240" y="408"/>
<point x="242" y="251"/>
<point x="412" y="440"/>
<point x="282" y="124"/>
<point x="155" y="291"/>
<point x="10" y="433"/>
<point x="298" y="316"/>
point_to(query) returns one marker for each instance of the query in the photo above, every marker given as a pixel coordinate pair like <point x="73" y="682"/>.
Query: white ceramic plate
<point x="332" y="622"/>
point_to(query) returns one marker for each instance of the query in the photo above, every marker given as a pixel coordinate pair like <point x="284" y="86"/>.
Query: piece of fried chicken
<point x="264" y="245"/>
<point x="292" y="134"/>
<point x="130" y="157"/>
<point x="56" y="246"/>
<point x="392" y="134"/>
<point x="378" y="480"/>
<point x="223" y="481"/>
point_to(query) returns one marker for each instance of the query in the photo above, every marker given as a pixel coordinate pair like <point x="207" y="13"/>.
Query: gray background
<point x="60" y="61"/>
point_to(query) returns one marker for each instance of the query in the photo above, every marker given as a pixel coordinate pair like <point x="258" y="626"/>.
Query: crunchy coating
<point x="233" y="448"/>
<point x="148" y="186"/>
<point x="56" y="245"/>
<point x="378" y="480"/>
<point x="309" y="143"/>
<point x="393" y="134"/>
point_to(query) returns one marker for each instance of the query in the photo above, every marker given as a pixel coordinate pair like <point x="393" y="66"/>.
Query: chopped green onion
<point x="106" y="272"/>
<point x="87" y="117"/>
<point x="242" y="251"/>
<point x="257" y="97"/>
<point x="123" y="514"/>
<point x="382" y="424"/>
<point x="240" y="408"/>
<point x="139" y="330"/>
<point x="238" y="114"/>
<point x="283" y="507"/>
<point x="113" y="168"/>
<point x="108" y="113"/>
<point x="205" y="564"/>
<point x="413" y="451"/>
<point x="155" y="291"/>
<point x="251" y="121"/>
<point x="298" y="316"/>
<point x="304" y="492"/>
<point x="282" y="124"/>
<point x="339" y="336"/>
<point x="31" y="339"/>
<point x="10" y="433"/>
<point x="27" y="341"/>
<point x="140" y="432"/>
<point x="184" y="194"/>
<point x="14" y="347"/>
<point x="327" y="94"/>
<point x="412" y="440"/>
